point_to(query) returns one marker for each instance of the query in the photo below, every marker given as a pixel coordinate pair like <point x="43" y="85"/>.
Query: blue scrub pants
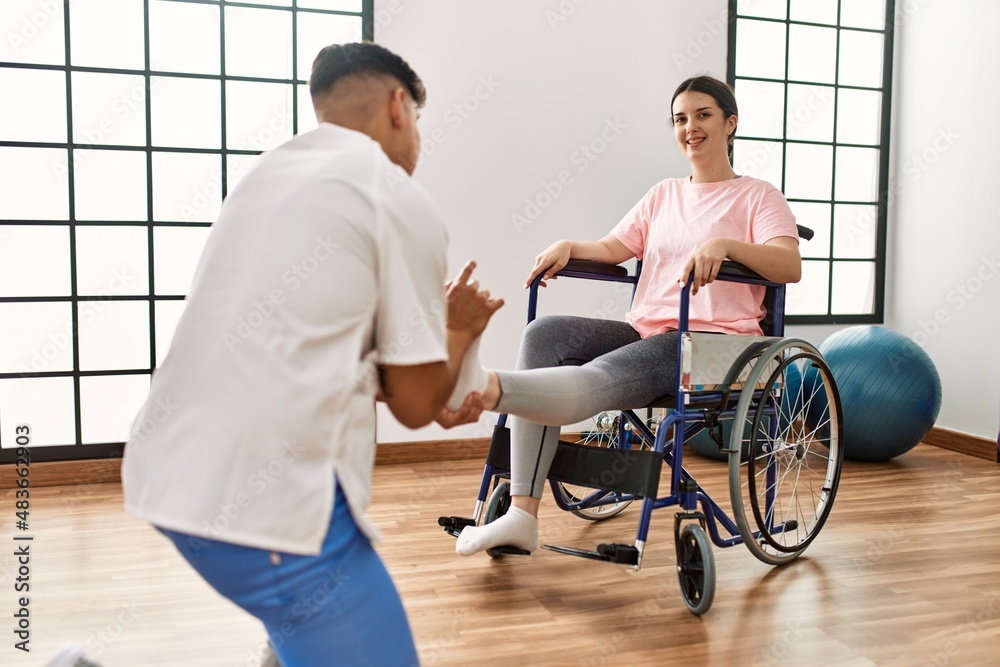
<point x="339" y="607"/>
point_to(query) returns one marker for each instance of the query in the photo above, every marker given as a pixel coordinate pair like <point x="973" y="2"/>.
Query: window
<point x="813" y="81"/>
<point x="118" y="141"/>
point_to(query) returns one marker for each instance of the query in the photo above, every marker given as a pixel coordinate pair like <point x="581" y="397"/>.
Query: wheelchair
<point x="784" y="451"/>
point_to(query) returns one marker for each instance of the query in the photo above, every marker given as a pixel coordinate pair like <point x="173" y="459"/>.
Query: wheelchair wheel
<point x="789" y="421"/>
<point x="696" y="568"/>
<point x="496" y="507"/>
<point x="605" y="432"/>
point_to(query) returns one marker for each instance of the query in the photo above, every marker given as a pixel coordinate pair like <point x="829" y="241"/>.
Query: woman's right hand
<point x="550" y="261"/>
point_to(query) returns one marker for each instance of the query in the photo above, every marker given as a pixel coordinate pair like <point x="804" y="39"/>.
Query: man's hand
<point x="468" y="413"/>
<point x="469" y="308"/>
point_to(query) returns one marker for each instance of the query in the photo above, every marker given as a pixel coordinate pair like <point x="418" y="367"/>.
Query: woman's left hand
<point x="705" y="261"/>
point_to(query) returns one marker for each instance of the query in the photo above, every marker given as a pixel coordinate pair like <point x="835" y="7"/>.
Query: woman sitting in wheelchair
<point x="570" y="368"/>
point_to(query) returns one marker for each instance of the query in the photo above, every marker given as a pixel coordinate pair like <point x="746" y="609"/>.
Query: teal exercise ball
<point x="703" y="443"/>
<point x="889" y="389"/>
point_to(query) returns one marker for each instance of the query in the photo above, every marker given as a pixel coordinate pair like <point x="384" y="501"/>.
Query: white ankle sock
<point x="473" y="376"/>
<point x="516" y="528"/>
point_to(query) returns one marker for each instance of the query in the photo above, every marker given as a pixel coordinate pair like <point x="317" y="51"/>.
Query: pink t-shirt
<point x="670" y="222"/>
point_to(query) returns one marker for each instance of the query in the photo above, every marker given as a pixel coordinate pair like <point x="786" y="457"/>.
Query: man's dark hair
<point x="337" y="61"/>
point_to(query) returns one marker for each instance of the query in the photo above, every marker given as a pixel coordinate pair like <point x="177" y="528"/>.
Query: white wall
<point x="943" y="287"/>
<point x="562" y="74"/>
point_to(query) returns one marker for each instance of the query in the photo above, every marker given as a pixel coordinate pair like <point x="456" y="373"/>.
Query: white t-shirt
<point x="325" y="259"/>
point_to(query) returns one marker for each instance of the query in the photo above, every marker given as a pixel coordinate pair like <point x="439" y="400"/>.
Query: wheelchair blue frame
<point x="681" y="415"/>
<point x="691" y="413"/>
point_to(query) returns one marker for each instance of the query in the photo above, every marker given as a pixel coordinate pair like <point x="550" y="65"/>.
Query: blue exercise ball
<point x="703" y="443"/>
<point x="889" y="389"/>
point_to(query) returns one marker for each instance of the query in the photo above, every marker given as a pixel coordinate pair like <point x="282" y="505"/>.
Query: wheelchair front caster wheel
<point x="696" y="568"/>
<point x="496" y="507"/>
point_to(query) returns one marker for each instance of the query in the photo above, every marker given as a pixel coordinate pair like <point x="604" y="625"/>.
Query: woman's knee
<point x="543" y="341"/>
<point x="550" y="326"/>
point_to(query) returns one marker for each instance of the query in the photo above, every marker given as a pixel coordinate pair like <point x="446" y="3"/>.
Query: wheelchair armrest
<point x="731" y="269"/>
<point x="588" y="266"/>
<point x="736" y="272"/>
<point x="585" y="269"/>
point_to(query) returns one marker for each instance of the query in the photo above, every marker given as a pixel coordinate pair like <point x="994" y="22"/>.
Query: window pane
<point x="760" y="49"/>
<point x="817" y="218"/>
<point x="187" y="187"/>
<point x="238" y="166"/>
<point x="306" y="117"/>
<point x="33" y="32"/>
<point x="857" y="174"/>
<point x="114" y="335"/>
<point x="100" y="42"/>
<point x="863" y="14"/>
<point x="319" y="30"/>
<point x="34" y="260"/>
<point x="109" y="109"/>
<point x="762" y="108"/>
<point x="186" y="112"/>
<point x="809" y="171"/>
<point x="109" y="404"/>
<point x="809" y="295"/>
<point x="853" y="287"/>
<point x="812" y="54"/>
<point x="859" y="116"/>
<point x="760" y="159"/>
<point x="815" y="11"/>
<point x="810" y="112"/>
<point x="259" y="42"/>
<point x="184" y="37"/>
<point x="33" y="184"/>
<point x="112" y="261"/>
<point x="46" y="404"/>
<point x="177" y="250"/>
<point x="854" y="231"/>
<point x="36" y="337"/>
<point x="110" y="185"/>
<point x="860" y="59"/>
<point x="34" y="107"/>
<point x="338" y="5"/>
<point x="168" y="313"/>
<point x="772" y="9"/>
<point x="258" y="115"/>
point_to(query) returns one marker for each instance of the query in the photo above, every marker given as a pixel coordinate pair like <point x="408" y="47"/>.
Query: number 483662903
<point x="23" y="470"/>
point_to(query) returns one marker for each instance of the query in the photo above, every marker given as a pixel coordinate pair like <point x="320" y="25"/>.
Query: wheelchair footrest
<point x="625" y="554"/>
<point x="453" y="525"/>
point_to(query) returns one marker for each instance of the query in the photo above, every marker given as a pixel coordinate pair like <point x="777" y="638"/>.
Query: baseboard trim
<point x="963" y="443"/>
<point x="63" y="473"/>
<point x="103" y="471"/>
<point x="394" y="453"/>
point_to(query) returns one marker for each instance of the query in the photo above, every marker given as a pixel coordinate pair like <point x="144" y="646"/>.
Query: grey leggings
<point x="569" y="369"/>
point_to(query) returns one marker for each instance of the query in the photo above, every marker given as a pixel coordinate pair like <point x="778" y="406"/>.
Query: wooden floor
<point x="907" y="572"/>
